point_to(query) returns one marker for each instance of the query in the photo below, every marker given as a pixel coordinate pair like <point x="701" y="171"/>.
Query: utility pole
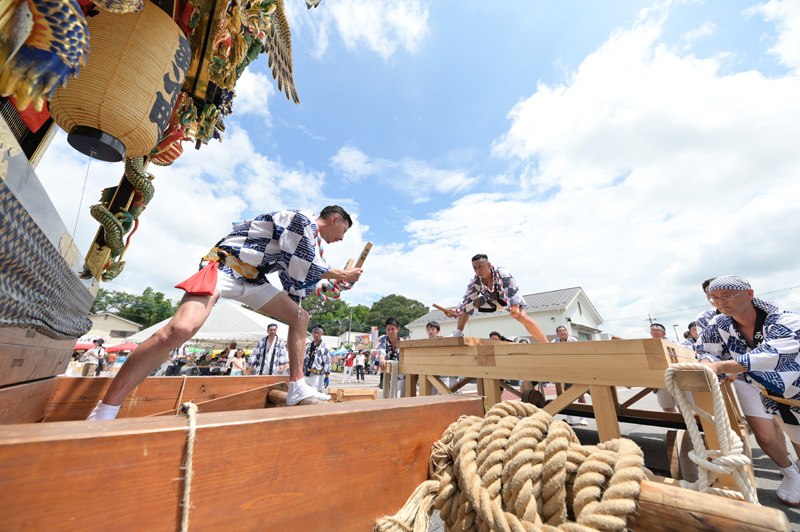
<point x="650" y="319"/>
<point x="350" y="328"/>
<point x="675" y="328"/>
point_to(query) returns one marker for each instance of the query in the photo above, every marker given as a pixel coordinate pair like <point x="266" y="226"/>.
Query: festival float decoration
<point x="153" y="75"/>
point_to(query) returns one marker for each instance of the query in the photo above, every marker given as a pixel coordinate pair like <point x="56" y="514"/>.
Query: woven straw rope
<point x="508" y="472"/>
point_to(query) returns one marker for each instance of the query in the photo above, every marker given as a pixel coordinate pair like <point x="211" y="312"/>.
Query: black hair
<point x="334" y="210"/>
<point x="479" y="256"/>
<point x="318" y="326"/>
<point x="392" y="321"/>
<point x="503" y="338"/>
<point x="561" y="327"/>
<point x="693" y="324"/>
<point x="434" y="324"/>
<point x="706" y="283"/>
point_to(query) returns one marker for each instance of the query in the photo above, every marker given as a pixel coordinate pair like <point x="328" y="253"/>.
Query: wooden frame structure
<point x="593" y="367"/>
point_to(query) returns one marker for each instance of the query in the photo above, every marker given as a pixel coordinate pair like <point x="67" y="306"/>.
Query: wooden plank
<point x="705" y="401"/>
<point x="438" y="384"/>
<point x="411" y="385"/>
<point x="27" y="355"/>
<point x="461" y="383"/>
<point x="27" y="402"/>
<point x="425" y="387"/>
<point x="271" y="469"/>
<point x="448" y="341"/>
<point x="76" y="396"/>
<point x="693" y="380"/>
<point x="605" y="413"/>
<point x="509" y="388"/>
<point x="492" y="392"/>
<point x="636" y="398"/>
<point x="565" y="399"/>
<point x="248" y="399"/>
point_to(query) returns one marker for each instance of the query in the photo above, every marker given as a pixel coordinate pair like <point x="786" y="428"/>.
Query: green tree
<point x="146" y="309"/>
<point x="400" y="307"/>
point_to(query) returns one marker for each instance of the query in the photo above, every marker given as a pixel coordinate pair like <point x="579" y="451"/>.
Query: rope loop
<point x="730" y="459"/>
<point x="508" y="472"/>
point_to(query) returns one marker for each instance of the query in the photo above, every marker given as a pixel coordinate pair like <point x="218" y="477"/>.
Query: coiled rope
<point x="730" y="459"/>
<point x="390" y="380"/>
<point x="508" y="472"/>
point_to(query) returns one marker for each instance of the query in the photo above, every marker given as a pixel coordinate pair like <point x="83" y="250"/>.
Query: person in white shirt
<point x="92" y="357"/>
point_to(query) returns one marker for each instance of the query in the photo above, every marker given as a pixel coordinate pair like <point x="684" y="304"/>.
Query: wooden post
<point x="605" y="413"/>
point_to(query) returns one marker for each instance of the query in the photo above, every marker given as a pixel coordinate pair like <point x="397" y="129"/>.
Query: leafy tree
<point x="146" y="309"/>
<point x="400" y="307"/>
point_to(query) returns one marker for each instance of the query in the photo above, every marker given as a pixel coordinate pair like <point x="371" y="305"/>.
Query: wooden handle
<point x="349" y="264"/>
<point x="364" y="253"/>
<point x="437" y="307"/>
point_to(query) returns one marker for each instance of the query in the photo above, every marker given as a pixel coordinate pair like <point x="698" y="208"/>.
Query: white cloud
<point x="661" y="172"/>
<point x="704" y="30"/>
<point x="253" y="92"/>
<point x="786" y="16"/>
<point x="412" y="177"/>
<point x="383" y="28"/>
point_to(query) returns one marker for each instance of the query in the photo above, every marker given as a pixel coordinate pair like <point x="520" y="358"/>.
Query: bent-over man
<point x="288" y="242"/>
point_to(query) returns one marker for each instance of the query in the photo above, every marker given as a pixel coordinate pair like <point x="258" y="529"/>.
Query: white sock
<point x="456" y="333"/>
<point x="299" y="390"/>
<point x="103" y="411"/>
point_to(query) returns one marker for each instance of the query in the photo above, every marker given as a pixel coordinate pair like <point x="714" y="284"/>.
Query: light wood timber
<point x="565" y="399"/>
<point x="27" y="355"/>
<point x="605" y="412"/>
<point x="460" y="384"/>
<point x="636" y="398"/>
<point x="75" y="397"/>
<point x="343" y="395"/>
<point x="245" y="400"/>
<point x="27" y="402"/>
<point x="509" y="388"/>
<point x="348" y="264"/>
<point x="364" y="253"/>
<point x="492" y="392"/>
<point x="272" y="465"/>
<point x="411" y="385"/>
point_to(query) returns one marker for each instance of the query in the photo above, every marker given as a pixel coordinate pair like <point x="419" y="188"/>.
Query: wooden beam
<point x="636" y="398"/>
<point x="261" y="468"/>
<point x="27" y="355"/>
<point x="565" y="399"/>
<point x="461" y="383"/>
<point x="439" y="385"/>
<point x="27" y="402"/>
<point x="509" y="388"/>
<point x="76" y="396"/>
<point x="246" y="400"/>
<point x="605" y="413"/>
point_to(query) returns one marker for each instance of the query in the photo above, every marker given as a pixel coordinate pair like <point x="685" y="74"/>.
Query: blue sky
<point x="631" y="148"/>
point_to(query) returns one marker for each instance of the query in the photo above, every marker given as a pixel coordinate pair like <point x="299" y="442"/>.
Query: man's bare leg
<point x="190" y="316"/>
<point x="281" y="307"/>
<point x="769" y="436"/>
<point x="531" y="326"/>
<point x="462" y="322"/>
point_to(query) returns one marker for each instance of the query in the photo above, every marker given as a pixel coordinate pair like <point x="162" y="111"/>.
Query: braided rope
<point x="390" y="380"/>
<point x="191" y="412"/>
<point x="730" y="459"/>
<point x="508" y="472"/>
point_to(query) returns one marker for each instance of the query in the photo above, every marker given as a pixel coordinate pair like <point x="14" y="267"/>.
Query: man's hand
<point x="514" y="311"/>
<point x="350" y="275"/>
<point x="450" y="313"/>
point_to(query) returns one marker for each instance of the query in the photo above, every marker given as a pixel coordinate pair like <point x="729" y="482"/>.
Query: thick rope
<point x="730" y="459"/>
<point x="508" y="472"/>
<point x="180" y="397"/>
<point x="191" y="412"/>
<point x="390" y="380"/>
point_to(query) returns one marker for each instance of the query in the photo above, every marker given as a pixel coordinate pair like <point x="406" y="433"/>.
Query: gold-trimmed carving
<point x="96" y="261"/>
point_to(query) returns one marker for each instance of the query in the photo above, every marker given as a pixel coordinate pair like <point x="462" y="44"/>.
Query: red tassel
<point x="203" y="283"/>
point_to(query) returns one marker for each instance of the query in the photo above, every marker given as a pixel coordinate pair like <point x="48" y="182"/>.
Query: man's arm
<point x="350" y="275"/>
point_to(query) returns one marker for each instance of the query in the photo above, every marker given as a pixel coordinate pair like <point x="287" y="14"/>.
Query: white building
<point x="568" y="307"/>
<point x="107" y="325"/>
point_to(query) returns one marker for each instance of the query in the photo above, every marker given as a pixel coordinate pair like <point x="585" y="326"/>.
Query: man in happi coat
<point x="270" y="356"/>
<point x="754" y="341"/>
<point x="288" y="243"/>
<point x="490" y="290"/>
<point x="317" y="362"/>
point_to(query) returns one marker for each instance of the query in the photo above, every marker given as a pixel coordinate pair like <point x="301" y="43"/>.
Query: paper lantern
<point x="120" y="103"/>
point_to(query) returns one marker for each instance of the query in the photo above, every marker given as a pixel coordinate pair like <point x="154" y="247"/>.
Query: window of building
<point x="580" y="311"/>
<point x="583" y="337"/>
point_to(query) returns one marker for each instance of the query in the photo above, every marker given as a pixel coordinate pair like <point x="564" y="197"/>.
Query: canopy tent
<point x="83" y="346"/>
<point x="227" y="322"/>
<point x="124" y="346"/>
<point x="340" y="351"/>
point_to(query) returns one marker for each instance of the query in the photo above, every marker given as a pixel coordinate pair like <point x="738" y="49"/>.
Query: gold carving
<point x="96" y="259"/>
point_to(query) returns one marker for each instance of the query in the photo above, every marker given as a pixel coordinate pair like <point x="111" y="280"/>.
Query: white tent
<point x="227" y="322"/>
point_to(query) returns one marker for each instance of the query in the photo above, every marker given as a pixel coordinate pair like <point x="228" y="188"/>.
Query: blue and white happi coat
<point x="283" y="242"/>
<point x="689" y="343"/>
<point x="704" y="318"/>
<point x="479" y="295"/>
<point x="385" y="349"/>
<point x="263" y="352"/>
<point x="322" y="357"/>
<point x="569" y="339"/>
<point x="774" y="365"/>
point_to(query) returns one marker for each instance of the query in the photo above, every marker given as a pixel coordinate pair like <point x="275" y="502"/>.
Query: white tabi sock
<point x="457" y="332"/>
<point x="789" y="490"/>
<point x="299" y="391"/>
<point x="103" y="411"/>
